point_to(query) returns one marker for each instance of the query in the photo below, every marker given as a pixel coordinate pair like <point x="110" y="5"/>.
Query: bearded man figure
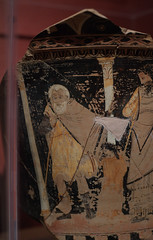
<point x="74" y="136"/>
<point x="68" y="162"/>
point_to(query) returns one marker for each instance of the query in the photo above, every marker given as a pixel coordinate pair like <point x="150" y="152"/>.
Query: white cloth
<point x="116" y="126"/>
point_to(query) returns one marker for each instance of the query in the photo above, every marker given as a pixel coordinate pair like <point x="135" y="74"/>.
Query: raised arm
<point x="131" y="108"/>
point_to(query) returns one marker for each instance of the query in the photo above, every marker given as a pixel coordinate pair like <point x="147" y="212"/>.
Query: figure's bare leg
<point x="84" y="195"/>
<point x="82" y="183"/>
<point x="65" y="203"/>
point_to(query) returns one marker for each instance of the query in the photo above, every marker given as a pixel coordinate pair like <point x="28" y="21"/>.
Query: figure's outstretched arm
<point x="131" y="108"/>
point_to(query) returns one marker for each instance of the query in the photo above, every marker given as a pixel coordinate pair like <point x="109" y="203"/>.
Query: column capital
<point x="106" y="60"/>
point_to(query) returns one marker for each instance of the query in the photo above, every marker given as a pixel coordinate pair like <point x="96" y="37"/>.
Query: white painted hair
<point x="56" y="87"/>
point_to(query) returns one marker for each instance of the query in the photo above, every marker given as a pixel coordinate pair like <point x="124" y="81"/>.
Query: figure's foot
<point x="50" y="219"/>
<point x="90" y="213"/>
<point x="77" y="209"/>
<point x="64" y="204"/>
<point x="86" y="200"/>
<point x="64" y="216"/>
<point x="58" y="210"/>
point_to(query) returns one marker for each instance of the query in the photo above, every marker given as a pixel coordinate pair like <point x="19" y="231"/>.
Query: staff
<point x="45" y="208"/>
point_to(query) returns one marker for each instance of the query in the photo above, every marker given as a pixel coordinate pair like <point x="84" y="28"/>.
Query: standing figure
<point x="140" y="110"/>
<point x="75" y="138"/>
<point x="66" y="132"/>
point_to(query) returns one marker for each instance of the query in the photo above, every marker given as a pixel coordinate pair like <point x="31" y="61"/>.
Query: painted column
<point x="107" y="68"/>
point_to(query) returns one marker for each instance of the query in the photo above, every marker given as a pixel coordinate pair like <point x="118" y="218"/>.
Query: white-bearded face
<point x="59" y="108"/>
<point x="59" y="100"/>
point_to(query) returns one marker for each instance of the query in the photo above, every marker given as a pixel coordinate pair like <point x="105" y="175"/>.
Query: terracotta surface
<point x="84" y="97"/>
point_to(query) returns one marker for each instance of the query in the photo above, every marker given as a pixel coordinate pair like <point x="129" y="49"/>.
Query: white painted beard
<point x="60" y="108"/>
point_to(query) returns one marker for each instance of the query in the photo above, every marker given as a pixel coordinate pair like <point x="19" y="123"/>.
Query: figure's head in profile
<point x="146" y="75"/>
<point x="59" y="97"/>
<point x="144" y="78"/>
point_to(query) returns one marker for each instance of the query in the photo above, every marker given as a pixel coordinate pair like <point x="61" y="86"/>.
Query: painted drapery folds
<point x="86" y="129"/>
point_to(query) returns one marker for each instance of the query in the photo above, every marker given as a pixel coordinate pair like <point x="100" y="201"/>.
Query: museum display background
<point x="31" y="17"/>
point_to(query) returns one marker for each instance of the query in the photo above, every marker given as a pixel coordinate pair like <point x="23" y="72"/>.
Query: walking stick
<point x="45" y="208"/>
